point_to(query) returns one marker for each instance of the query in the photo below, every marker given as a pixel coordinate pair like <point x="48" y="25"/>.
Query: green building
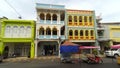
<point x="17" y="38"/>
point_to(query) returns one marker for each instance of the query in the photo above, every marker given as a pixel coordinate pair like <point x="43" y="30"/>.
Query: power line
<point x="13" y="9"/>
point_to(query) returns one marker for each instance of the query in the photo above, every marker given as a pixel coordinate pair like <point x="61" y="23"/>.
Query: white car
<point x="113" y="53"/>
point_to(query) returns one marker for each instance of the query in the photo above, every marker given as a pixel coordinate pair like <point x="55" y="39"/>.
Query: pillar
<point x="32" y="52"/>
<point x="45" y="18"/>
<point x="83" y="20"/>
<point x="1" y="47"/>
<point x="51" y="33"/>
<point x="51" y="18"/>
<point x="36" y="41"/>
<point x="44" y="33"/>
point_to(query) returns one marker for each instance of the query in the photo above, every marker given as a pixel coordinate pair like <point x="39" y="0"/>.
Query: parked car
<point x="113" y="53"/>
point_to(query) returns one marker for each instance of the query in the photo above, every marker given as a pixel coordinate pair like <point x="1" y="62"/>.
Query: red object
<point x="88" y="47"/>
<point x="115" y="46"/>
<point x="67" y="43"/>
<point x="95" y="59"/>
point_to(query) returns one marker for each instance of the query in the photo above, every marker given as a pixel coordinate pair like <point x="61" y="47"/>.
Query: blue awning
<point x="69" y="49"/>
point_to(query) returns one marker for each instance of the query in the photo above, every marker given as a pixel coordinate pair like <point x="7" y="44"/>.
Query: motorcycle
<point x="95" y="59"/>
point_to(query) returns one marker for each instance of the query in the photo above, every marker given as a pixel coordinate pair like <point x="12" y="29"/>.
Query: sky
<point x="108" y="9"/>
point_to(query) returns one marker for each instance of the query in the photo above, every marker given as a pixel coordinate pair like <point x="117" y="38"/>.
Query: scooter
<point x="95" y="59"/>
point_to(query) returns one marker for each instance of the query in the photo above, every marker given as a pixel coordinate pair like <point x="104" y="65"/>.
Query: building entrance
<point x="49" y="50"/>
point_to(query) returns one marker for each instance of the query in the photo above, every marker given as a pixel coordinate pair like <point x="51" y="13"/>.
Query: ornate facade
<point x="50" y="27"/>
<point x="80" y="26"/>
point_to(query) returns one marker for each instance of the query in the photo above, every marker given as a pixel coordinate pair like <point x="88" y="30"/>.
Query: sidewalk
<point x="26" y="59"/>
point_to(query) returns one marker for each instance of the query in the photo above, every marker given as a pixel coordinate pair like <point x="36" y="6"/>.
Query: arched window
<point x="54" y="31"/>
<point x="90" y="19"/>
<point x="42" y="16"/>
<point x="54" y="17"/>
<point x="48" y="31"/>
<point x="75" y="18"/>
<point x="62" y="17"/>
<point x="85" y="18"/>
<point x="70" y="18"/>
<point x="62" y="30"/>
<point x="28" y="31"/>
<point x="22" y="31"/>
<point x="76" y="32"/>
<point x="7" y="31"/>
<point x="41" y="31"/>
<point x="70" y="32"/>
<point x="48" y="17"/>
<point x="80" y="18"/>
<point x="15" y="31"/>
<point x="81" y="32"/>
<point x="86" y="33"/>
<point x="91" y="32"/>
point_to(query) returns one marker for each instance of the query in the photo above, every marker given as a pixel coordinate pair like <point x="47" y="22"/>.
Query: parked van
<point x="113" y="53"/>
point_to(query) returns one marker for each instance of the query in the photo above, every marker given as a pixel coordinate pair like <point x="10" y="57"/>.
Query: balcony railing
<point x="49" y="22"/>
<point x="50" y="37"/>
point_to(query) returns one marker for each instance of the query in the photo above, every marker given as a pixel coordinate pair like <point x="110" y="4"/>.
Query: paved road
<point x="108" y="63"/>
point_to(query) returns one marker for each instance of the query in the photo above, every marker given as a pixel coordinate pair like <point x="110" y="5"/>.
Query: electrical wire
<point x="13" y="9"/>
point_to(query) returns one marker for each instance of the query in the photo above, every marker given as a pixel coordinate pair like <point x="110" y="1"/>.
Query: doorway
<point x="50" y="50"/>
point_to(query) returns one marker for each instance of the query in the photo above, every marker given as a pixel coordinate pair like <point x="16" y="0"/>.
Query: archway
<point x="6" y="50"/>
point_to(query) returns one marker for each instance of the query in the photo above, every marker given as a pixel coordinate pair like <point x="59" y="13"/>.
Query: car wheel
<point x="116" y="55"/>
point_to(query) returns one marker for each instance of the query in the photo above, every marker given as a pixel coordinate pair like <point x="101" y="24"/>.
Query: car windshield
<point x="113" y="49"/>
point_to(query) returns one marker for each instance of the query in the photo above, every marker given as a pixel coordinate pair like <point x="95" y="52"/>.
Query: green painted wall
<point x="4" y="39"/>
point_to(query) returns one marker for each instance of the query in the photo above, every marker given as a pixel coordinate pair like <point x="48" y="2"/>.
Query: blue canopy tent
<point x="66" y="50"/>
<point x="68" y="47"/>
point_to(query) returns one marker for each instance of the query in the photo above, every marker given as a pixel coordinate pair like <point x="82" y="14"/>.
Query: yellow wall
<point x="115" y="33"/>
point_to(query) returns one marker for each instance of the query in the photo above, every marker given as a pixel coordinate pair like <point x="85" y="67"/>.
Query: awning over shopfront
<point x="69" y="47"/>
<point x="115" y="46"/>
<point x="88" y="47"/>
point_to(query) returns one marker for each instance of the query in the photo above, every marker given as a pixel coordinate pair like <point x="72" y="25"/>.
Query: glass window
<point x="70" y="32"/>
<point x="80" y="18"/>
<point x="28" y="31"/>
<point x="70" y="18"/>
<point x="76" y="32"/>
<point x="55" y="17"/>
<point x="75" y="18"/>
<point x="86" y="32"/>
<point x="41" y="31"/>
<point x="7" y="31"/>
<point x="90" y="19"/>
<point x="42" y="16"/>
<point x="54" y="31"/>
<point x="85" y="18"/>
<point x="48" y="31"/>
<point x="81" y="33"/>
<point x="22" y="31"/>
<point x="91" y="32"/>
<point x="15" y="31"/>
<point x="48" y="17"/>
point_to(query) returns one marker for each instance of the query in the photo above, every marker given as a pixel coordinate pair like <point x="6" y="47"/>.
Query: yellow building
<point x="80" y="26"/>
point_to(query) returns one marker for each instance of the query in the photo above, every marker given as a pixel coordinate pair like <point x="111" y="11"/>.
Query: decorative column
<point x="84" y="37"/>
<point x="83" y="21"/>
<point x="58" y="18"/>
<point x="51" y="33"/>
<point x="36" y="42"/>
<point x="44" y="33"/>
<point x="45" y="18"/>
<point x="32" y="52"/>
<point x="72" y="20"/>
<point x="88" y="21"/>
<point x="51" y="18"/>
